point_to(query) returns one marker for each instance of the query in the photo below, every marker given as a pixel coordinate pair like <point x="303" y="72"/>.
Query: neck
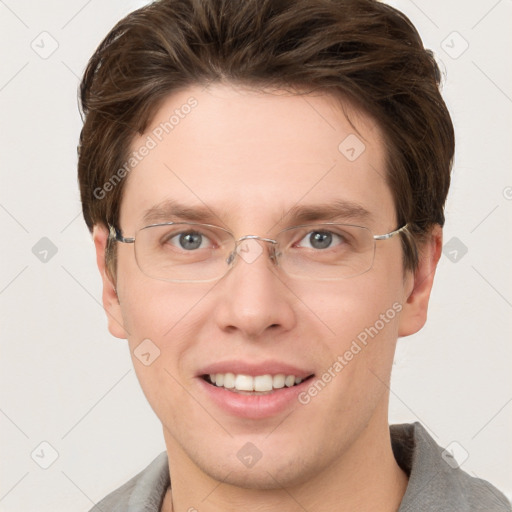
<point x="366" y="477"/>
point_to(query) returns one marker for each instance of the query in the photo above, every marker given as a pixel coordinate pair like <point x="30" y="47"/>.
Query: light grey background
<point x="65" y="381"/>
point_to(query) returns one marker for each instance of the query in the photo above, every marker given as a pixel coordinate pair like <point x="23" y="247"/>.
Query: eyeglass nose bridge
<point x="233" y="253"/>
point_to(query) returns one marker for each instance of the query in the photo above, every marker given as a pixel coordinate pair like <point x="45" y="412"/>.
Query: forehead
<point x="251" y="157"/>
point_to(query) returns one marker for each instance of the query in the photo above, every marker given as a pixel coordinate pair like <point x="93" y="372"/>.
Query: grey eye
<point x="320" y="239"/>
<point x="190" y="241"/>
<point x="187" y="240"/>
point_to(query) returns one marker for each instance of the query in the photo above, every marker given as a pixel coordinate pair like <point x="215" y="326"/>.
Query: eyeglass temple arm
<point x="391" y="234"/>
<point x="115" y="234"/>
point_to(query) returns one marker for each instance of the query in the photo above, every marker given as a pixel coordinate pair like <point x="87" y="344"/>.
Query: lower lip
<point x="253" y="406"/>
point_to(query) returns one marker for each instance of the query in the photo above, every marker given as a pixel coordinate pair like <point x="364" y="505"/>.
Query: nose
<point x="255" y="300"/>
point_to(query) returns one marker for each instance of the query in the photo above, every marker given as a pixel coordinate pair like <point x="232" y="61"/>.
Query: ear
<point x="109" y="296"/>
<point x="419" y="284"/>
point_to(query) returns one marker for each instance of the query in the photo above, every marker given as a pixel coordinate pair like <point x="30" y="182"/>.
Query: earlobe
<point x="419" y="284"/>
<point x="109" y="295"/>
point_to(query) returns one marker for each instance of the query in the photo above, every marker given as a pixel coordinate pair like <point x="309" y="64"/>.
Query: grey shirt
<point x="436" y="483"/>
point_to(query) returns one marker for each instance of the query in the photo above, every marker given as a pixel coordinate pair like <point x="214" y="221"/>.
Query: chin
<point x="272" y="472"/>
<point x="259" y="479"/>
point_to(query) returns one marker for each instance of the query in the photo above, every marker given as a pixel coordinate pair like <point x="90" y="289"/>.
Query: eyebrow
<point x="172" y="210"/>
<point x="336" y="210"/>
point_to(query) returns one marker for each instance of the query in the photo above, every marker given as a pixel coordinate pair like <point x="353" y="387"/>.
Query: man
<point x="265" y="183"/>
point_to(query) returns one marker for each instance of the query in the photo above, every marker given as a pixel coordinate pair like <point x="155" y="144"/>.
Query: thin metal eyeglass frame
<point x="115" y="234"/>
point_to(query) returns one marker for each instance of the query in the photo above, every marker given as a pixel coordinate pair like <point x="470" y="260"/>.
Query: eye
<point x="188" y="240"/>
<point x="321" y="240"/>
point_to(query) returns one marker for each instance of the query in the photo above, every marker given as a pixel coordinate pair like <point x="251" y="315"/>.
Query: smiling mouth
<point x="254" y="385"/>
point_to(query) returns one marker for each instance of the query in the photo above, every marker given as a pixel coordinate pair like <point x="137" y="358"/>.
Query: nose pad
<point x="231" y="257"/>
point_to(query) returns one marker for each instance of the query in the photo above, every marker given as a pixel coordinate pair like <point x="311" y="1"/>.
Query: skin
<point x="250" y="156"/>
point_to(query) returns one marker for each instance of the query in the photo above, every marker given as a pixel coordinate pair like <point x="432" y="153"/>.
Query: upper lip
<point x="239" y="367"/>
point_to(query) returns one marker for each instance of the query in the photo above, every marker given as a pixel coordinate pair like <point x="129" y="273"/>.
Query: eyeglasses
<point x="190" y="252"/>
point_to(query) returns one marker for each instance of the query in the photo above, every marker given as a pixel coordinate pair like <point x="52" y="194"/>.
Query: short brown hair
<point x="362" y="51"/>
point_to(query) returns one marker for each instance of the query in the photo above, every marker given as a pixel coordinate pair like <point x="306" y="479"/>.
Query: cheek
<point x="163" y="322"/>
<point x="359" y="355"/>
<point x="159" y="317"/>
<point x="168" y="314"/>
<point x="345" y="309"/>
<point x="151" y="308"/>
<point x="362" y="317"/>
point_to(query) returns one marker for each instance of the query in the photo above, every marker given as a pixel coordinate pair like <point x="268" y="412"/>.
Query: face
<point x="251" y="159"/>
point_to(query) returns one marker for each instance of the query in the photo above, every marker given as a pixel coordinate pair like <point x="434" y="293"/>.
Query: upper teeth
<point x="258" y="383"/>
